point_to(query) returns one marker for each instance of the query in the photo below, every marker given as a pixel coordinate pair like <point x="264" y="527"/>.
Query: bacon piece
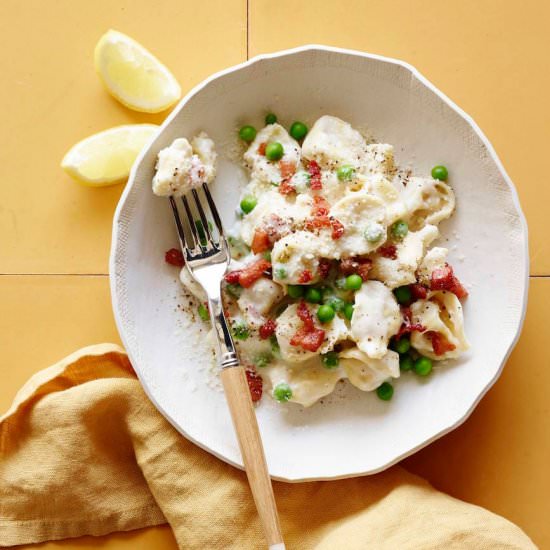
<point x="267" y="329"/>
<point x="288" y="169"/>
<point x="255" y="384"/>
<point x="407" y="327"/>
<point x="233" y="277"/>
<point x="358" y="265"/>
<point x="321" y="219"/>
<point x="320" y="207"/>
<point x="389" y="251"/>
<point x="337" y="229"/>
<point x="324" y="267"/>
<point x="440" y="344"/>
<point x="251" y="273"/>
<point x="305" y="277"/>
<point x="444" y="279"/>
<point x="261" y="149"/>
<point x="419" y="292"/>
<point x="315" y="175"/>
<point x="320" y="212"/>
<point x="308" y="340"/>
<point x="285" y="188"/>
<point x="175" y="257"/>
<point x="319" y="222"/>
<point x="308" y="337"/>
<point x="260" y="241"/>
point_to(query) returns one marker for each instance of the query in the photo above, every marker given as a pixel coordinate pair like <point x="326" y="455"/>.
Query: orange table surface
<point x="489" y="56"/>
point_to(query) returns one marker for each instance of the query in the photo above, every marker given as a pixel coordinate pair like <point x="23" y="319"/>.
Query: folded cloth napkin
<point x="84" y="452"/>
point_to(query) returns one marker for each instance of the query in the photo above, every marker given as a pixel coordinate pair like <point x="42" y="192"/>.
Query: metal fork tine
<point x="213" y="209"/>
<point x="179" y="226"/>
<point x="203" y="217"/>
<point x="194" y="233"/>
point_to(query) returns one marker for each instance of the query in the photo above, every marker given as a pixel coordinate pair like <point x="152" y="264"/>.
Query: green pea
<point x="440" y="173"/>
<point x="401" y="345"/>
<point x="282" y="392"/>
<point x="330" y="360"/>
<point x="423" y="366"/>
<point x="385" y="391"/>
<point x="274" y="151"/>
<point x="234" y="290"/>
<point x="247" y="133"/>
<point x="203" y="312"/>
<point x="406" y="362"/>
<point x="295" y="291"/>
<point x="240" y="330"/>
<point x="270" y="118"/>
<point x="337" y="304"/>
<point x="298" y="130"/>
<point x="267" y="255"/>
<point x="248" y="204"/>
<point x="345" y="173"/>
<point x="325" y="314"/>
<point x="399" y="229"/>
<point x="280" y="273"/>
<point x="263" y="359"/>
<point x="348" y="311"/>
<point x="374" y="232"/>
<point x="403" y="294"/>
<point x="313" y="295"/>
<point x="353" y="282"/>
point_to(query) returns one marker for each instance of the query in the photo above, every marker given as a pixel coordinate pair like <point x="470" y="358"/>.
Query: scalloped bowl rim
<point x="424" y="81"/>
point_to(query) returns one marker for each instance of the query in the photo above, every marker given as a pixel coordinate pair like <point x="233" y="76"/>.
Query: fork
<point x="207" y="259"/>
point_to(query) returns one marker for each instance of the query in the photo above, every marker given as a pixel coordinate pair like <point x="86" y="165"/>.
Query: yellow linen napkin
<point x="83" y="451"/>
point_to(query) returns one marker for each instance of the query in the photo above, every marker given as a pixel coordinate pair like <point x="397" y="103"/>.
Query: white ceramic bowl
<point x="350" y="433"/>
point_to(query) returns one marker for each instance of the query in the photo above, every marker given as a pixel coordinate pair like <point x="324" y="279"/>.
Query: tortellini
<point x="402" y="270"/>
<point x="358" y="213"/>
<point x="332" y="142"/>
<point x="376" y="318"/>
<point x="296" y="253"/>
<point x="256" y="300"/>
<point x="382" y="188"/>
<point x="309" y="381"/>
<point x="440" y="313"/>
<point x="427" y="201"/>
<point x="183" y="166"/>
<point x="367" y="373"/>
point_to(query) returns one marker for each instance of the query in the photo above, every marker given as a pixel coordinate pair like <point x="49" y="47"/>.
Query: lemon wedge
<point x="106" y="158"/>
<point x="133" y="75"/>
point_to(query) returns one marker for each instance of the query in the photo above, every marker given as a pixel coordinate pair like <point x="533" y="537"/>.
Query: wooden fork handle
<point x="250" y="443"/>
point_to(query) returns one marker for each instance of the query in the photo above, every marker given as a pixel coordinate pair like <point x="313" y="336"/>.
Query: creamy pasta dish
<point x="333" y="274"/>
